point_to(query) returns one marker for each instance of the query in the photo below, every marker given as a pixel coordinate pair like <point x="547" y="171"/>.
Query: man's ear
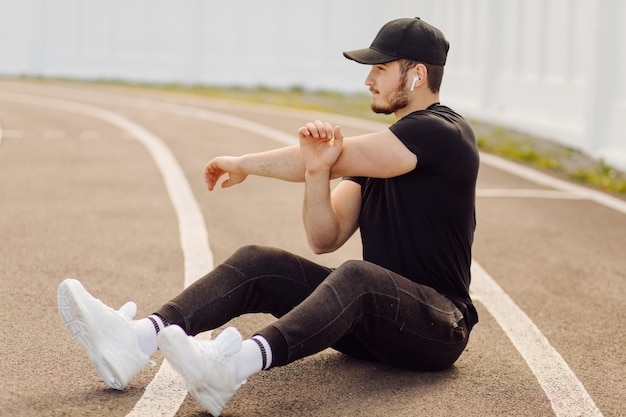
<point x="419" y="75"/>
<point x="421" y="71"/>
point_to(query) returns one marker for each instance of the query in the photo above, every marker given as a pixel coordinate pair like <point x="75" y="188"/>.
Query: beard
<point x="396" y="100"/>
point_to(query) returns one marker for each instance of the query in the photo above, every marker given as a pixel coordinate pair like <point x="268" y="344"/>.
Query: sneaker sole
<point x="73" y="312"/>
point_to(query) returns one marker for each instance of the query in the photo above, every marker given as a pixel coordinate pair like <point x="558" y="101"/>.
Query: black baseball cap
<point x="404" y="38"/>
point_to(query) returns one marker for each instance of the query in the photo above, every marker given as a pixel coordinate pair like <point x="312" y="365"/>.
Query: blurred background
<point x="552" y="68"/>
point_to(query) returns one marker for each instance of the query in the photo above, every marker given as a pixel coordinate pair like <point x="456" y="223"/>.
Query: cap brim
<point x="369" y="56"/>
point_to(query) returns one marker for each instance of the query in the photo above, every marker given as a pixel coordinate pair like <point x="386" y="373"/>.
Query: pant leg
<point x="368" y="311"/>
<point x="253" y="280"/>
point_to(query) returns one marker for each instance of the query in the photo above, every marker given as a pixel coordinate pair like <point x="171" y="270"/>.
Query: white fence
<point x="550" y="67"/>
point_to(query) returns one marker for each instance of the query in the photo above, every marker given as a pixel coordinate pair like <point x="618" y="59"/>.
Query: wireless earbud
<point x="415" y="80"/>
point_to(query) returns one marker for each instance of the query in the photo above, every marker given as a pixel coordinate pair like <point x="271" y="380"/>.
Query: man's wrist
<point x="317" y="174"/>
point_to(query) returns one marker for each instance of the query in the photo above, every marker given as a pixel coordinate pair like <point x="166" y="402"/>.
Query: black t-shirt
<point x="421" y="224"/>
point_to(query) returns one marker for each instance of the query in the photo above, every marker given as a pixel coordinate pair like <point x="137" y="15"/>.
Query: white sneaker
<point x="205" y="365"/>
<point x="108" y="335"/>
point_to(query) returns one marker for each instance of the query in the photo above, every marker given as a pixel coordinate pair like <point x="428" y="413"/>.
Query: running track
<point x="548" y="271"/>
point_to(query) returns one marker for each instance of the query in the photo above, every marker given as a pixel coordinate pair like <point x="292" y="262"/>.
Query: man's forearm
<point x="283" y="163"/>
<point x="320" y="220"/>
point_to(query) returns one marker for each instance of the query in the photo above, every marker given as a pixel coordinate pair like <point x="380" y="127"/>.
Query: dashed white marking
<point x="12" y="134"/>
<point x="566" y="393"/>
<point x="167" y="390"/>
<point x="51" y="134"/>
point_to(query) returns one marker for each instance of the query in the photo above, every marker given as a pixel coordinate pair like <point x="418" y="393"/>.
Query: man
<point x="409" y="189"/>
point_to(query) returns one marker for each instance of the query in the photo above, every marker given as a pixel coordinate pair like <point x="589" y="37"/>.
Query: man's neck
<point x="421" y="102"/>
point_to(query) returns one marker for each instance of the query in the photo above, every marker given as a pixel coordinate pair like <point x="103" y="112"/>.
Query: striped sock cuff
<point x="158" y="322"/>
<point x="266" y="350"/>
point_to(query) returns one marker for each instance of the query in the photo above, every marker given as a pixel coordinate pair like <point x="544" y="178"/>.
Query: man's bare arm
<point x="378" y="154"/>
<point x="330" y="217"/>
<point x="283" y="163"/>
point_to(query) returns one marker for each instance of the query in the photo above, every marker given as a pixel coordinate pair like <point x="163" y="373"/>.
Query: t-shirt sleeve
<point x="428" y="138"/>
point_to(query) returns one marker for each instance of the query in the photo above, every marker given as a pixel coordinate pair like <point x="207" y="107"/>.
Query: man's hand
<point x="224" y="165"/>
<point x="320" y="145"/>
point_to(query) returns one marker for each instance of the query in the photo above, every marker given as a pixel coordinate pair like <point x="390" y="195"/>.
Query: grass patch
<point x="501" y="141"/>
<point x="548" y="155"/>
<point x="602" y="176"/>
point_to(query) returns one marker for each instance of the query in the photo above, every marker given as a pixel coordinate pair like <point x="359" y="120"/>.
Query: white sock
<point x="147" y="333"/>
<point x="249" y="360"/>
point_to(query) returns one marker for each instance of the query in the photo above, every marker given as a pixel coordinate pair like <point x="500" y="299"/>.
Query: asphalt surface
<point x="81" y="197"/>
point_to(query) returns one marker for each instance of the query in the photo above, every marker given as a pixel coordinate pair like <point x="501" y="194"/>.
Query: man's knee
<point x="353" y="267"/>
<point x="351" y="276"/>
<point x="254" y="255"/>
<point x="250" y="251"/>
<point x="356" y="278"/>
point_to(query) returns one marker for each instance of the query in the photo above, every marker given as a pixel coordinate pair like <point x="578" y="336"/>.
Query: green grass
<point x="501" y="141"/>
<point x="550" y="156"/>
<point x="603" y="176"/>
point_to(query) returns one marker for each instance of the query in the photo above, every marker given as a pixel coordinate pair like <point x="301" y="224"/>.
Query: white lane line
<point x="167" y="390"/>
<point x="527" y="193"/>
<point x="566" y="393"/>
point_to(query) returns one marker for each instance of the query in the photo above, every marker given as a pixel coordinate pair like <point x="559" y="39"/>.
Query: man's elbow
<point x="320" y="248"/>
